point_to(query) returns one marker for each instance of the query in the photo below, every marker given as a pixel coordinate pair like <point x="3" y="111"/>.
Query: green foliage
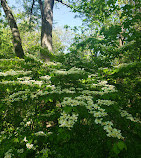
<point x="117" y="148"/>
<point x="6" y="46"/>
<point x="47" y="111"/>
<point x="84" y="105"/>
<point x="113" y="29"/>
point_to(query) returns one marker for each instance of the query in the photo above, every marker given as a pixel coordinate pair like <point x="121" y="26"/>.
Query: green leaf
<point x="16" y="140"/>
<point x="121" y="145"/>
<point x="67" y="109"/>
<point x="116" y="149"/>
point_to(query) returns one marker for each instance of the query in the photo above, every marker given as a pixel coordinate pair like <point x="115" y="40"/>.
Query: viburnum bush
<point x="48" y="110"/>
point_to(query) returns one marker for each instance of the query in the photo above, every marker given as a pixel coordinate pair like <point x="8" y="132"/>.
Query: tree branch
<point x="31" y="12"/>
<point x="63" y="3"/>
<point x="32" y="6"/>
<point x="41" y="7"/>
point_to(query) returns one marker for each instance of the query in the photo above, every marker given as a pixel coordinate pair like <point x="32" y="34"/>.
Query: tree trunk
<point x="47" y="21"/>
<point x="121" y="39"/>
<point x="14" y="28"/>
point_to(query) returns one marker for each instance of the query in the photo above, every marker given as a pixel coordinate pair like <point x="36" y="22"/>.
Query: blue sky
<point x="62" y="15"/>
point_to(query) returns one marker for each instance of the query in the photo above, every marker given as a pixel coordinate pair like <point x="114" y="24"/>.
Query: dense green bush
<point x="47" y="110"/>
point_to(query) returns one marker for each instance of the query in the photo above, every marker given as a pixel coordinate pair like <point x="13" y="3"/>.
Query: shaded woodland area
<point x="70" y="92"/>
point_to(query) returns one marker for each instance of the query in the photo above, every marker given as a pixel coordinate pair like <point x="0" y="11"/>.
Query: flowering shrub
<point x="48" y="110"/>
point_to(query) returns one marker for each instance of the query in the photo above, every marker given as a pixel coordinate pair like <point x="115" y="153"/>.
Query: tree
<point x="14" y="28"/>
<point x="46" y="9"/>
<point x="46" y="29"/>
<point x="47" y="20"/>
<point x="116" y="26"/>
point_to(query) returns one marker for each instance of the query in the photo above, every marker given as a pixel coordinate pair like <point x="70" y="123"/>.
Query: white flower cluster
<point x="8" y="82"/>
<point x="20" y="95"/>
<point x="47" y="77"/>
<point x="79" y="89"/>
<point x="98" y="120"/>
<point x="102" y="83"/>
<point x="69" y="102"/>
<point x="28" y="81"/>
<point x="105" y="102"/>
<point x="42" y="93"/>
<point x="113" y="132"/>
<point x="67" y="120"/>
<point x="28" y="123"/>
<point x="105" y="87"/>
<point x="88" y="92"/>
<point x="95" y="109"/>
<point x="93" y="75"/>
<point x="25" y="140"/>
<point x="73" y="70"/>
<point x="109" y="88"/>
<point x="103" y="68"/>
<point x="39" y="93"/>
<point x="2" y="132"/>
<point x="73" y="102"/>
<point x="68" y="91"/>
<point x="12" y="59"/>
<point x="20" y="151"/>
<point x="29" y="146"/>
<point x="54" y="89"/>
<point x="25" y="78"/>
<point x="40" y="133"/>
<point x="60" y="72"/>
<point x="51" y="86"/>
<point x="123" y="65"/>
<point x="8" y="154"/>
<point x="128" y="116"/>
<point x="13" y="73"/>
<point x="99" y="113"/>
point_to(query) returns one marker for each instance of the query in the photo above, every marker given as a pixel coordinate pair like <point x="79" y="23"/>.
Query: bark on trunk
<point x="47" y="21"/>
<point x="121" y="43"/>
<point x="14" y="28"/>
<point x="121" y="39"/>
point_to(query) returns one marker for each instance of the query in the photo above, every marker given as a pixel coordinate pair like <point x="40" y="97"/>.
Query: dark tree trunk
<point x="47" y="21"/>
<point x="14" y="28"/>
